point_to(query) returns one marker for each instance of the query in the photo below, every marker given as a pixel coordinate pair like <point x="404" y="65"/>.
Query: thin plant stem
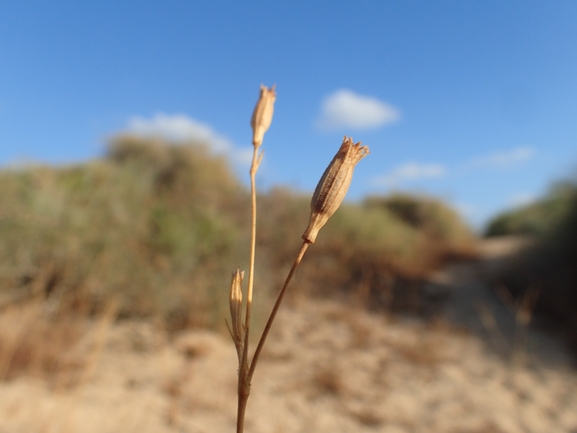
<point x="272" y="316"/>
<point x="242" y="401"/>
<point x="243" y="379"/>
<point x="253" y="170"/>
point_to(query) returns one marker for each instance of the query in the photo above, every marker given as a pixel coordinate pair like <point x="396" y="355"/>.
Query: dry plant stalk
<point x="326" y="199"/>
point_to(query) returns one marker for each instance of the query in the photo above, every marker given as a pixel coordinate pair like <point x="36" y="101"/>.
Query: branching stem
<point x="245" y="374"/>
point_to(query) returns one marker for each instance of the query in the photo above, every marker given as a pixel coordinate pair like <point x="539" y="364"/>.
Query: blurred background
<point x="442" y="296"/>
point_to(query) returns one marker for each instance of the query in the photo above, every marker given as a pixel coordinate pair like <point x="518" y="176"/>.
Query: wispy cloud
<point x="182" y="128"/>
<point x="345" y="108"/>
<point x="178" y="127"/>
<point x="409" y="172"/>
<point x="502" y="159"/>
<point x="414" y="170"/>
<point x="522" y="199"/>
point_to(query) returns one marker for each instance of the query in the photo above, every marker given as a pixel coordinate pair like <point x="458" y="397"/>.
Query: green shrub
<point x="535" y="219"/>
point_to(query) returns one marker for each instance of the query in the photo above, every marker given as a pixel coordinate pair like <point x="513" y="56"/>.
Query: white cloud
<point x="522" y="199"/>
<point x="346" y="109"/>
<point x="414" y="170"/>
<point x="181" y="128"/>
<point x="411" y="171"/>
<point x="178" y="127"/>
<point x="503" y="159"/>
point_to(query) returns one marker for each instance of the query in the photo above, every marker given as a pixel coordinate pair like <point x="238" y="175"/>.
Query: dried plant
<point x="326" y="199"/>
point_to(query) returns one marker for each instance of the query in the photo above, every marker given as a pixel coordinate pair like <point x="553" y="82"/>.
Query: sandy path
<point x="490" y="312"/>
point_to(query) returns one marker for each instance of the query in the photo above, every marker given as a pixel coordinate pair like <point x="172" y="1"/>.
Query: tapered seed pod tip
<point x="333" y="186"/>
<point x="262" y="114"/>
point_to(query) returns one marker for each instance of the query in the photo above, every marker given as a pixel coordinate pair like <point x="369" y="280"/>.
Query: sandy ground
<point x="327" y="368"/>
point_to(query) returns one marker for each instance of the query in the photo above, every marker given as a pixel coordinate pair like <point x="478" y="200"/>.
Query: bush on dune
<point x="156" y="227"/>
<point x="146" y="225"/>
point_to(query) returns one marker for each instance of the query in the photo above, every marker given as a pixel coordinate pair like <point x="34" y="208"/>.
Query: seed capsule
<point x="262" y="114"/>
<point x="333" y="186"/>
<point x="236" y="306"/>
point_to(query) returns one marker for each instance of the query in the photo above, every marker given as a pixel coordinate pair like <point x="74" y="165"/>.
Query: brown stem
<point x="272" y="316"/>
<point x="243" y="393"/>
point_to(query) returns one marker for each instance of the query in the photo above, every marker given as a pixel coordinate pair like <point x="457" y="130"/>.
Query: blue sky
<point x="474" y="102"/>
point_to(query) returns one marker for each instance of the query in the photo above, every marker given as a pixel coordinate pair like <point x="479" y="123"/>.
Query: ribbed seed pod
<point x="333" y="186"/>
<point x="262" y="114"/>
<point x="236" y="306"/>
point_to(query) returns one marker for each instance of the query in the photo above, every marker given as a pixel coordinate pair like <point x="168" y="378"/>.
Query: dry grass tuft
<point x="33" y="344"/>
<point x="60" y="349"/>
